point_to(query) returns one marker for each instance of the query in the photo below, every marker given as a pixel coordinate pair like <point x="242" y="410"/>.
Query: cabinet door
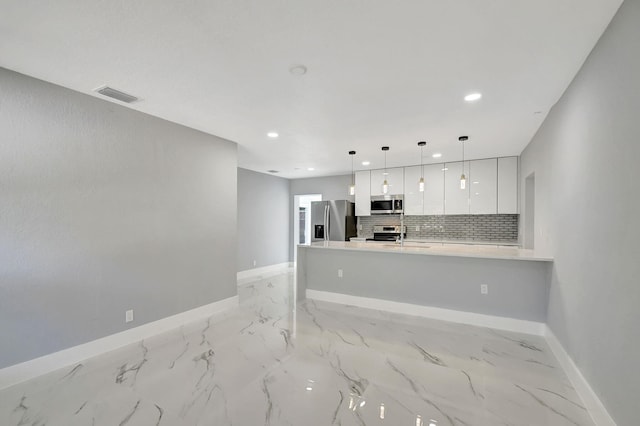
<point x="508" y="185"/>
<point x="413" y="198"/>
<point x="433" y="189"/>
<point x="395" y="178"/>
<point x="483" y="177"/>
<point x="377" y="177"/>
<point x="396" y="181"/>
<point x="456" y="199"/>
<point x="363" y="193"/>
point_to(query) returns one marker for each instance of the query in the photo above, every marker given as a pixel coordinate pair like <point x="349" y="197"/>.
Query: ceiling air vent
<point x="273" y="171"/>
<point x="116" y="94"/>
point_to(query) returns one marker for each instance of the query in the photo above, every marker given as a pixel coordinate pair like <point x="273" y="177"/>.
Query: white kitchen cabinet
<point x="413" y="198"/>
<point x="508" y="185"/>
<point x="492" y="187"/>
<point x="433" y="189"/>
<point x="429" y="202"/>
<point x="395" y="178"/>
<point x="363" y="193"/>
<point x="456" y="200"/>
<point x="483" y="182"/>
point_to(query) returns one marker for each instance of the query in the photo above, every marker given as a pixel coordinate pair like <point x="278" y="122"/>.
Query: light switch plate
<point x="128" y="315"/>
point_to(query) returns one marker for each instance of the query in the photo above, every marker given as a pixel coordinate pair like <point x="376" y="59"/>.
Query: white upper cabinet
<point x="429" y="202"/>
<point x="433" y="189"/>
<point x="363" y="193"/>
<point x="483" y="185"/>
<point x="395" y="178"/>
<point x="508" y="185"/>
<point x="491" y="187"/>
<point x="456" y="199"/>
<point x="413" y="198"/>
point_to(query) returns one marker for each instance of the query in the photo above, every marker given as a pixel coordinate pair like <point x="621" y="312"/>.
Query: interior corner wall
<point x="105" y="209"/>
<point x="330" y="187"/>
<point x="585" y="159"/>
<point x="263" y="219"/>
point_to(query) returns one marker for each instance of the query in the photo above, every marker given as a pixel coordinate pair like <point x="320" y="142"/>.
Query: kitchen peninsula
<point x="440" y="278"/>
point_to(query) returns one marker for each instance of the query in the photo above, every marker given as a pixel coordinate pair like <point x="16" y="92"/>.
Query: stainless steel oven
<point x="386" y="204"/>
<point x="388" y="233"/>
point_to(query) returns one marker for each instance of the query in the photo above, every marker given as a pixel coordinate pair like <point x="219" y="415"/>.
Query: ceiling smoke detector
<point x="116" y="94"/>
<point x="298" y="70"/>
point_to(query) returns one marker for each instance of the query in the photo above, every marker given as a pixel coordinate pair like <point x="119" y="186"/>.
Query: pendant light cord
<point x="352" y="172"/>
<point x="462" y="157"/>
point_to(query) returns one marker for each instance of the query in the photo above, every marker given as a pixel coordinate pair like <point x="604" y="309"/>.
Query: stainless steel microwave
<point x="386" y="204"/>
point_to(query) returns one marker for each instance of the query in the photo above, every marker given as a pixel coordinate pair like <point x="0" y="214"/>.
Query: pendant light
<point x="385" y="184"/>
<point x="463" y="178"/>
<point x="421" y="181"/>
<point x="352" y="187"/>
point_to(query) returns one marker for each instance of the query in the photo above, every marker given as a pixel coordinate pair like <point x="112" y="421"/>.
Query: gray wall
<point x="517" y="288"/>
<point x="263" y="219"/>
<point x="331" y="188"/>
<point x="104" y="209"/>
<point x="585" y="158"/>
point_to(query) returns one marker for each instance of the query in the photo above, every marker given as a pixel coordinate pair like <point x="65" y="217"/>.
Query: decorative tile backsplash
<point x="486" y="227"/>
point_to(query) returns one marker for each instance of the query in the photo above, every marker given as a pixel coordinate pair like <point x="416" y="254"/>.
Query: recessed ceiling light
<point x="475" y="181"/>
<point x="437" y="155"/>
<point x="445" y="169"/>
<point x="366" y="163"/>
<point x="473" y="97"/>
<point x="298" y="70"/>
<point x="310" y="169"/>
<point x="272" y="135"/>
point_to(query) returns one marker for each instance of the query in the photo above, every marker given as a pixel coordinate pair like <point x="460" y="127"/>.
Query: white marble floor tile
<point x="270" y="362"/>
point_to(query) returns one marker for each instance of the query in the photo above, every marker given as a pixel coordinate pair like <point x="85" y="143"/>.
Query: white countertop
<point x="436" y="249"/>
<point x="440" y="242"/>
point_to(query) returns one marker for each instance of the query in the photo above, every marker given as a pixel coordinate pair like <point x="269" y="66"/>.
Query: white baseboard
<point x="264" y="271"/>
<point x="594" y="406"/>
<point x="500" y="323"/>
<point x="27" y="370"/>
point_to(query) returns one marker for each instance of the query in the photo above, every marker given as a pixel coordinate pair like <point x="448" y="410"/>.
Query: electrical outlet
<point x="484" y="289"/>
<point x="417" y="228"/>
<point x="339" y="273"/>
<point x="128" y="315"/>
<point x="255" y="263"/>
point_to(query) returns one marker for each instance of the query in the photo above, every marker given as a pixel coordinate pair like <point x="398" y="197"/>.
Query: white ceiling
<point x="379" y="72"/>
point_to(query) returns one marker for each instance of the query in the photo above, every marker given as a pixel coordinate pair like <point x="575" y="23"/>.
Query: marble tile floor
<point x="270" y="362"/>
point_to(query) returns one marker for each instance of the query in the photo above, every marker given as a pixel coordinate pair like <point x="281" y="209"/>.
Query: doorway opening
<point x="529" y="211"/>
<point x="302" y="220"/>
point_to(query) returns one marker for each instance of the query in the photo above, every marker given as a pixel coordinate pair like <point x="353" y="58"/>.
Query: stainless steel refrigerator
<point x="333" y="220"/>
